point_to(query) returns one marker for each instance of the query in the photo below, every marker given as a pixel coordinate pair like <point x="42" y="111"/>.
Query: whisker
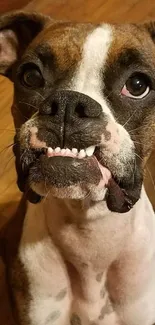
<point x="7" y="165"/>
<point x="137" y="142"/>
<point x="149" y="172"/>
<point x="46" y="196"/>
<point x="10" y="146"/>
<point x="35" y="114"/>
<point x="139" y="127"/>
<point x="39" y="95"/>
<point x="83" y="203"/>
<point x="45" y="185"/>
<point x="25" y="117"/>
<point x="139" y="157"/>
<point x="151" y="178"/>
<point x="132" y="170"/>
<point x="87" y="195"/>
<point x="25" y="103"/>
<point x="130" y="117"/>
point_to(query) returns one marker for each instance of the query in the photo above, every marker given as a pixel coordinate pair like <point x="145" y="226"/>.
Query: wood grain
<point x="77" y="10"/>
<point x="13" y="4"/>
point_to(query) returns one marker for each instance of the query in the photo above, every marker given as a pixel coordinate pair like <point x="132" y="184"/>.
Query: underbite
<point x="73" y="153"/>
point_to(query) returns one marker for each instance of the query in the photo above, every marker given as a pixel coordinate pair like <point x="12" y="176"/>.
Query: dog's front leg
<point x="89" y="260"/>
<point x="131" y="279"/>
<point x="133" y="292"/>
<point x="39" y="280"/>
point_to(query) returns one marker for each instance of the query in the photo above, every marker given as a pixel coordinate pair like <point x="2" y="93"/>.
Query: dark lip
<point x="81" y="170"/>
<point x="120" y="196"/>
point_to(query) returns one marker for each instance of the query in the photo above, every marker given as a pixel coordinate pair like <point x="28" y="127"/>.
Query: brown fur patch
<point x="66" y="41"/>
<point x="123" y="39"/>
<point x="61" y="295"/>
<point x="99" y="277"/>
<point x="75" y="320"/>
<point x="16" y="277"/>
<point x="53" y="317"/>
<point x="19" y="285"/>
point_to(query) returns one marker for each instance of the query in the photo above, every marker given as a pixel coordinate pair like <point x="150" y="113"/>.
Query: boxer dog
<point x="84" y="112"/>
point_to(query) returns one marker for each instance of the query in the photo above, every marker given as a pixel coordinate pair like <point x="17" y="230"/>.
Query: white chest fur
<point x="68" y="253"/>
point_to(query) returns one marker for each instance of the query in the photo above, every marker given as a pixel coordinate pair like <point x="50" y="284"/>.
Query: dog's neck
<point x="52" y="213"/>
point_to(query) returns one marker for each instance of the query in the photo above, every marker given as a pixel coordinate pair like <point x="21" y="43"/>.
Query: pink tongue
<point x="106" y="175"/>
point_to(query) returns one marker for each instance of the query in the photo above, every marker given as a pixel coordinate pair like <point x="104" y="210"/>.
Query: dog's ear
<point x="17" y="30"/>
<point x="150" y="27"/>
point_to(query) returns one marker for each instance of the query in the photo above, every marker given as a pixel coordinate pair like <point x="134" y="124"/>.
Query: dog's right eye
<point x="32" y="78"/>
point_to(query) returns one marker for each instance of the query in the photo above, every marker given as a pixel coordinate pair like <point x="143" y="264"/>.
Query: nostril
<point x="49" y="108"/>
<point x="54" y="107"/>
<point x="88" y="108"/>
<point x="45" y="109"/>
<point x="80" y="110"/>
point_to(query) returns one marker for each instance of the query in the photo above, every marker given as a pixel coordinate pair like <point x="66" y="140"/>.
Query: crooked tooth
<point x="49" y="151"/>
<point x="57" y="150"/>
<point x="82" y="154"/>
<point x="74" y="151"/>
<point x="90" y="150"/>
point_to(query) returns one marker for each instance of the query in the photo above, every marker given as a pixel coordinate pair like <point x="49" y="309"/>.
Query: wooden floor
<point x="79" y="10"/>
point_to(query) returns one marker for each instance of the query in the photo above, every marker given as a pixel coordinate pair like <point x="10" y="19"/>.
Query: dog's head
<point x="84" y="105"/>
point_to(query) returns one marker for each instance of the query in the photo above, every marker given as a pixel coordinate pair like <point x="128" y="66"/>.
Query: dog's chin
<point x="73" y="178"/>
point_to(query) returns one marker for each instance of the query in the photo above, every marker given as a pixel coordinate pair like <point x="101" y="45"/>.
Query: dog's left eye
<point x="137" y="86"/>
<point x="32" y="78"/>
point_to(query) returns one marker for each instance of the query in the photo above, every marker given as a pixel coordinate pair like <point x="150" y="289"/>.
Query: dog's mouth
<point x="72" y="166"/>
<point x="87" y="155"/>
<point x="65" y="170"/>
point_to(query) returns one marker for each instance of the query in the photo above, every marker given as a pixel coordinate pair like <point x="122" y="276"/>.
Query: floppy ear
<point x="17" y="30"/>
<point x="150" y="27"/>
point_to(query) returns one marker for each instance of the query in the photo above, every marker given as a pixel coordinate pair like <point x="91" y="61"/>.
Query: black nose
<point x="67" y="104"/>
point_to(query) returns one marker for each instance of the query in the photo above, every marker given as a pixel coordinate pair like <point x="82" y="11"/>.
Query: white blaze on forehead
<point x="89" y="80"/>
<point x="89" y="75"/>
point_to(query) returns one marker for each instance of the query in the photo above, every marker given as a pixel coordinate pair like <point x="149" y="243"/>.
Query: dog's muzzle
<point x="62" y="151"/>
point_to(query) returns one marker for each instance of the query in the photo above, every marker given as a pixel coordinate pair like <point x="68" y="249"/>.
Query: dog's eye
<point x="32" y="78"/>
<point x="137" y="86"/>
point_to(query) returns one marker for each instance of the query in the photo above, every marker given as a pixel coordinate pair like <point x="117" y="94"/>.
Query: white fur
<point x="45" y="269"/>
<point x="128" y="238"/>
<point x="89" y="75"/>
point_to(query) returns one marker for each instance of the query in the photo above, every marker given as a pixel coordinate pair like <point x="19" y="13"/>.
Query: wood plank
<point x="11" y="5"/>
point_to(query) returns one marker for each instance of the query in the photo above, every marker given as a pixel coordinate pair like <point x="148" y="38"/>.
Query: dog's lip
<point x="118" y="199"/>
<point x="88" y="153"/>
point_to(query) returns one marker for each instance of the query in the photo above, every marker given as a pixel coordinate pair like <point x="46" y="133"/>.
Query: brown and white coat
<point x="85" y="245"/>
